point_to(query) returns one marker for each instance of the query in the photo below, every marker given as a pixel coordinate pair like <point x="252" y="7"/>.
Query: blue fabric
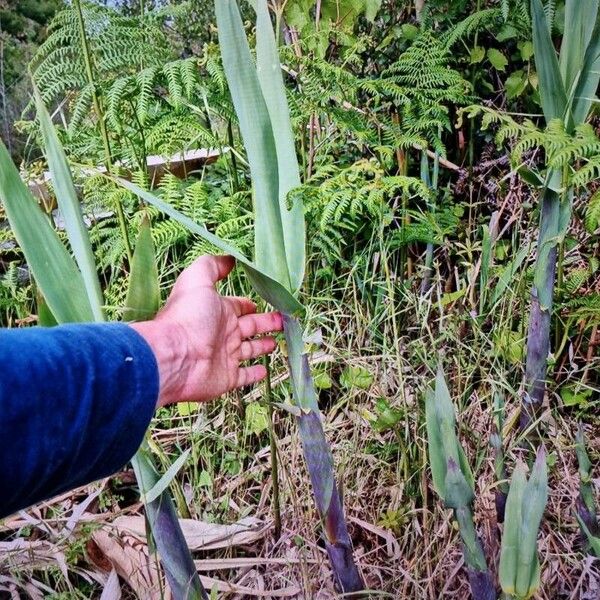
<point x="75" y="402"/>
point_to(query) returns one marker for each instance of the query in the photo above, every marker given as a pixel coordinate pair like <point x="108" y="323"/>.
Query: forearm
<point x="75" y="402"/>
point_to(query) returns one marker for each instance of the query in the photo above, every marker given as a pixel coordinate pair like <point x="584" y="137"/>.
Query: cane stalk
<point x="568" y="85"/>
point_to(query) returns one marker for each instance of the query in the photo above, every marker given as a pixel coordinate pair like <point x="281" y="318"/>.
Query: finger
<point x="250" y="375"/>
<point x="255" y="348"/>
<point x="251" y="325"/>
<point x="241" y="306"/>
<point x="207" y="270"/>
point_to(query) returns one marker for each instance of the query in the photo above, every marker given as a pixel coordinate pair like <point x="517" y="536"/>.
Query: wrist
<point x="170" y="351"/>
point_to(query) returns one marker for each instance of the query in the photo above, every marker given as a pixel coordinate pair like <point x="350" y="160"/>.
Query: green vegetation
<point x="415" y="187"/>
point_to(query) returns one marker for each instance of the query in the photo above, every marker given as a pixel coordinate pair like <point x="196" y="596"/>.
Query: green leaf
<point x="459" y="493"/>
<point x="323" y="381"/>
<point x="509" y="550"/>
<point x="387" y="417"/>
<point x="508" y="274"/>
<point x="257" y="133"/>
<point x="575" y="395"/>
<point x="451" y="297"/>
<point x="410" y="32"/>
<point x="45" y="316"/>
<point x="535" y="496"/>
<point x="273" y="92"/>
<point x="205" y="479"/>
<point x="552" y="89"/>
<point x="592" y="212"/>
<point x="70" y="208"/>
<point x="594" y="542"/>
<point x="55" y="272"/>
<point x="507" y="32"/>
<point x="356" y="377"/>
<point x="498" y="60"/>
<point x="441" y="438"/>
<point x="269" y="289"/>
<point x="531" y="177"/>
<point x="526" y="49"/>
<point x="437" y="462"/>
<point x="163" y="483"/>
<point x="584" y="92"/>
<point x="515" y="84"/>
<point x="477" y="54"/>
<point x="257" y="418"/>
<point x="185" y="409"/>
<point x="371" y="9"/>
<point x="143" y="295"/>
<point x="580" y="17"/>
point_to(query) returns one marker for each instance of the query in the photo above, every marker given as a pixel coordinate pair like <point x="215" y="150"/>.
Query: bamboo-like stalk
<point x="87" y="59"/>
<point x="568" y="84"/>
<point x="259" y="99"/>
<point x="538" y="334"/>
<point x="319" y="461"/>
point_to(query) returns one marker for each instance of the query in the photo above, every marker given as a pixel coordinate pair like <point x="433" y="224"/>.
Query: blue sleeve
<point x="75" y="402"/>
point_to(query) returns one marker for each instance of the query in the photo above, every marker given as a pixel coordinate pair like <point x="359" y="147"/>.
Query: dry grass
<point x="405" y="543"/>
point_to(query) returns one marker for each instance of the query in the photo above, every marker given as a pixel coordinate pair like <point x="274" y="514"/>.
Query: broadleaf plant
<point x="72" y="293"/>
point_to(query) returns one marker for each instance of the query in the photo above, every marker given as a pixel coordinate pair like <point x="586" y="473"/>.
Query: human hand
<point x="199" y="338"/>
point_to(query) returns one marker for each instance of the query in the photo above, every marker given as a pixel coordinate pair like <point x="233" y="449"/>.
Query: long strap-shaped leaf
<point x="73" y="297"/>
<point x="552" y="88"/>
<point x="51" y="264"/>
<point x="259" y="99"/>
<point x="70" y="209"/>
<point x="267" y="287"/>
<point x="584" y="93"/>
<point x="270" y="77"/>
<point x="580" y="19"/>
